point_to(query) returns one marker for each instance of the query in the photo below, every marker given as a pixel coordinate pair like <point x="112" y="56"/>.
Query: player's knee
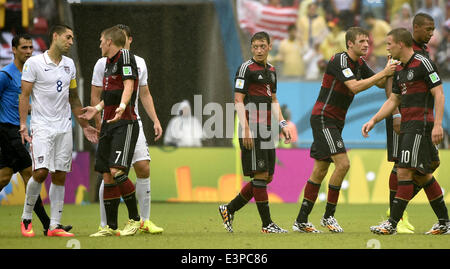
<point x="4" y="180"/>
<point x="40" y="175"/>
<point x="142" y="169"/>
<point x="343" y="166"/>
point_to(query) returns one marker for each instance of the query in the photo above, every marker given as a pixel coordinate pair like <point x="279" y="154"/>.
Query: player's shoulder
<point x="36" y="59"/>
<point x="424" y="61"/>
<point x="340" y="59"/>
<point x="271" y="67"/>
<point x="139" y="61"/>
<point x="243" y="68"/>
<point x="67" y="60"/>
<point x="101" y="61"/>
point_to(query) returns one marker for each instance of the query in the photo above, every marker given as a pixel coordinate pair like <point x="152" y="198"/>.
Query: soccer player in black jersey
<point x="255" y="98"/>
<point x="423" y="28"/>
<point x="119" y="130"/>
<point x="417" y="89"/>
<point x="346" y="75"/>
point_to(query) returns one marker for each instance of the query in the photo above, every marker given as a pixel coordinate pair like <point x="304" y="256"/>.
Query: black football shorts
<point x="417" y="151"/>
<point x="13" y="153"/>
<point x="327" y="142"/>
<point x="116" y="147"/>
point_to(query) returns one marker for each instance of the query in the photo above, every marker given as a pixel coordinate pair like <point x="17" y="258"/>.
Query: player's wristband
<point x="122" y="106"/>
<point x="99" y="108"/>
<point x="398" y="115"/>
<point x="283" y="124"/>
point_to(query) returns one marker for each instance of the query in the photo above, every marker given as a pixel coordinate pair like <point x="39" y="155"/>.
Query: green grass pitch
<point x="199" y="226"/>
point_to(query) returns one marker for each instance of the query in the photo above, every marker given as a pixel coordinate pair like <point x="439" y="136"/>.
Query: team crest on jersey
<point x="40" y="159"/>
<point x="67" y="69"/>
<point x="410" y="74"/>
<point x="269" y="92"/>
<point x="339" y="144"/>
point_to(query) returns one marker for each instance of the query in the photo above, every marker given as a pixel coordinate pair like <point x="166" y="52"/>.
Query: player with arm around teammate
<point x="346" y="75"/>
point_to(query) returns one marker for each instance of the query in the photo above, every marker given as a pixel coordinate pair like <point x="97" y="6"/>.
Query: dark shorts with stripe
<point x="417" y="151"/>
<point x="116" y="147"/>
<point x="392" y="139"/>
<point x="259" y="159"/>
<point x="13" y="154"/>
<point x="327" y="142"/>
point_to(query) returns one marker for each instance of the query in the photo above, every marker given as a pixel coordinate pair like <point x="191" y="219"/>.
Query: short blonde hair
<point x="116" y="35"/>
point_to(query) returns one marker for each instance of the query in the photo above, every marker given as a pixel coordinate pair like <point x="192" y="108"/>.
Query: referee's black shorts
<point x="116" y="147"/>
<point x="13" y="153"/>
<point x="417" y="152"/>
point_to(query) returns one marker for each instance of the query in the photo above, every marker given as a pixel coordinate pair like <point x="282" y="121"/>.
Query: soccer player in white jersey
<point x="50" y="80"/>
<point x="141" y="157"/>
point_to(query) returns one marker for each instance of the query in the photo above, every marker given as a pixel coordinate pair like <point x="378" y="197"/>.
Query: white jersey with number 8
<point x="50" y="93"/>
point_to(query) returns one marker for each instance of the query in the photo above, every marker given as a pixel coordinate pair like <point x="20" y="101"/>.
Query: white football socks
<point x="33" y="190"/>
<point x="56" y="196"/>
<point x="143" y="197"/>
<point x="103" y="222"/>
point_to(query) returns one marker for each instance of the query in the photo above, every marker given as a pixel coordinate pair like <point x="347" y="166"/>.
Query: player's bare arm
<point x="96" y="93"/>
<point x="240" y="109"/>
<point x="128" y="85"/>
<point x="385" y="110"/>
<point x="23" y="110"/>
<point x="147" y="101"/>
<point x="397" y="120"/>
<point x="357" y="86"/>
<point x="90" y="112"/>
<point x="437" y="134"/>
<point x="90" y="132"/>
<point x="284" y="128"/>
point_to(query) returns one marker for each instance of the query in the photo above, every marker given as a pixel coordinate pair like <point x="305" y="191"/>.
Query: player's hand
<point x="437" y="134"/>
<point x="287" y="135"/>
<point x="91" y="134"/>
<point x="396" y="123"/>
<point x="24" y="134"/>
<point x="247" y="140"/>
<point x="88" y="113"/>
<point x="367" y="127"/>
<point x="119" y="112"/>
<point x="390" y="67"/>
<point x="158" y="130"/>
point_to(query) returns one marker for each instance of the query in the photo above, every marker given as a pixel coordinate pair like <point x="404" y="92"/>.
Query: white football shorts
<point x="141" y="151"/>
<point x="51" y="149"/>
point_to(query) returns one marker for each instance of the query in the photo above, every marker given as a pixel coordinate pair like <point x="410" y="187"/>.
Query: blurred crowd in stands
<point x="25" y="16"/>
<point x="304" y="43"/>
